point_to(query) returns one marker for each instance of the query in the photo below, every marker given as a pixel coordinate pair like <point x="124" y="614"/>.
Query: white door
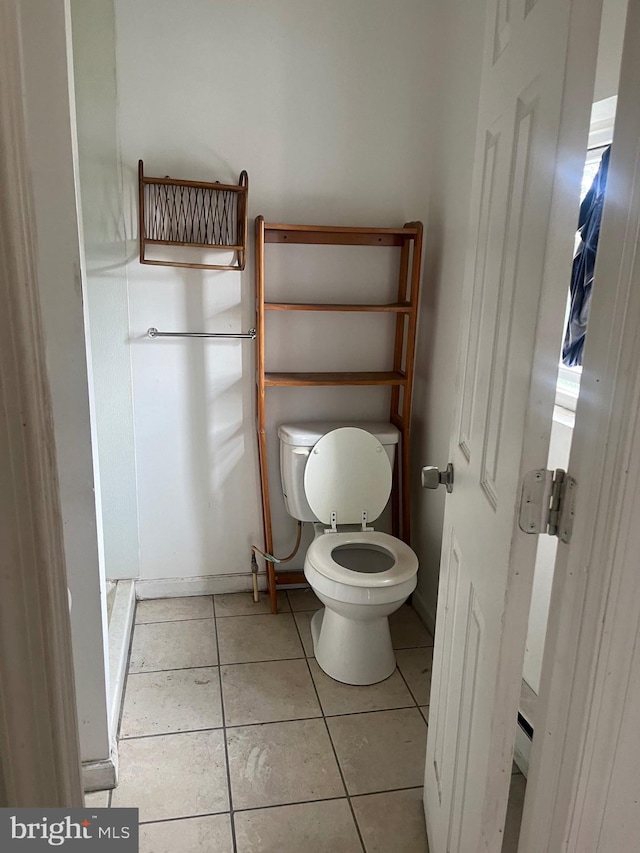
<point x="535" y="101"/>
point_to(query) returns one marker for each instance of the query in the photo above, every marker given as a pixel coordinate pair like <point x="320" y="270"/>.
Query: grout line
<point x="323" y="714"/>
<point x="209" y="665"/>
<point x="253" y="662"/>
<point x="406" y="683"/>
<point x="172" y="621"/>
<point x="174" y="669"/>
<point x="244" y="615"/>
<point x="226" y="747"/>
<point x="386" y="791"/>
<point x="175" y="621"/>
<point x="319" y="716"/>
<point x="284" y="805"/>
<point x="274" y="722"/>
<point x="331" y="799"/>
<point x="182" y="817"/>
<point x="333" y="748"/>
<point x="168" y="734"/>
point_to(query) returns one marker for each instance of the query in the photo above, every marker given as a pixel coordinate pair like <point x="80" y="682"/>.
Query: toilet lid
<point x="348" y="472"/>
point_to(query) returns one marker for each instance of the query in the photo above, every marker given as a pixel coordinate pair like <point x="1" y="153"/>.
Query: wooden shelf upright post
<point x="405" y="309"/>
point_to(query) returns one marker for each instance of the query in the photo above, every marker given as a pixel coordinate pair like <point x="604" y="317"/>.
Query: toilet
<point x="339" y="476"/>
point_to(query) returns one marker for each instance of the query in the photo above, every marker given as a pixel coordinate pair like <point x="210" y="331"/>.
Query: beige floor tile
<point x="407" y="631"/>
<point x="267" y="692"/>
<point x="173" y="645"/>
<point x="392" y="822"/>
<point x="242" y="604"/>
<point x="514" y="813"/>
<point x="195" y="835"/>
<point x="425" y="712"/>
<point x="97" y="800"/>
<point x="256" y="638"/>
<point x="325" y="827"/>
<point x="173" y="775"/>
<point x="177" y="700"/>
<point x="171" y="609"/>
<point x="415" y="665"/>
<point x="303" y="621"/>
<point x="303" y="599"/>
<point x="281" y="763"/>
<point x="337" y="698"/>
<point x="380" y="751"/>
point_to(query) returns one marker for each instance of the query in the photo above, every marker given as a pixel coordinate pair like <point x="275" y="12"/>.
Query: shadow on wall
<point x="428" y="506"/>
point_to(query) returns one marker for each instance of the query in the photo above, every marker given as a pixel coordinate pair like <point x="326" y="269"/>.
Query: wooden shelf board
<point x="340" y="238"/>
<point x="223" y="246"/>
<point x="339" y="229"/>
<point x="385" y="308"/>
<point x="289" y="578"/>
<point x="389" y="377"/>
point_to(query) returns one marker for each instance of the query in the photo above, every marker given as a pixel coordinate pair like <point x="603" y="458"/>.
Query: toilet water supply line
<point x="254" y="563"/>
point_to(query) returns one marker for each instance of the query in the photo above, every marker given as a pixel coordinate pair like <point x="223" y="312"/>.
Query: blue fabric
<point x="584" y="264"/>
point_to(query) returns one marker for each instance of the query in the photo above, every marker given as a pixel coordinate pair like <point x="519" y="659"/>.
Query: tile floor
<point x="233" y="740"/>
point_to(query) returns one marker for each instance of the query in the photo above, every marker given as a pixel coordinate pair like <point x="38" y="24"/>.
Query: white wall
<point x="614" y="15"/>
<point x="106" y="286"/>
<point x="327" y="107"/>
<point x="459" y="45"/>
<point x="51" y="153"/>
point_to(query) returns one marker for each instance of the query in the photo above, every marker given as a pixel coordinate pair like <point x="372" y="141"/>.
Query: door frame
<point x="595" y="588"/>
<point x="38" y="719"/>
<point x="40" y="744"/>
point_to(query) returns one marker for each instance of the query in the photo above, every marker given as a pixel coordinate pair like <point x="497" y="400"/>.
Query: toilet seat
<point x="320" y="557"/>
<point x="347" y="478"/>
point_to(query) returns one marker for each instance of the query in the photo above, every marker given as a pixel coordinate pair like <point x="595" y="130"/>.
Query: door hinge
<point x="547" y="501"/>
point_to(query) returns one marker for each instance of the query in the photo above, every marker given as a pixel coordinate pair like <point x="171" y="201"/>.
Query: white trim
<point x="38" y="723"/>
<point x="120" y="631"/>
<point x="206" y="585"/>
<point x="588" y="662"/>
<point x="100" y="775"/>
<point x="50" y="153"/>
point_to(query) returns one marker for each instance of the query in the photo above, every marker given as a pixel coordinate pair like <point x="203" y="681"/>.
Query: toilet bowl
<point x="361" y="575"/>
<point x="351" y="637"/>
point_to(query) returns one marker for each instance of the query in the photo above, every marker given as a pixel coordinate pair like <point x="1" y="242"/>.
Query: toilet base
<point x="352" y="651"/>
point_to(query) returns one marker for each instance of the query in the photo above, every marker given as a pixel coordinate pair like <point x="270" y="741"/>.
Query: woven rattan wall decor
<point x="193" y="213"/>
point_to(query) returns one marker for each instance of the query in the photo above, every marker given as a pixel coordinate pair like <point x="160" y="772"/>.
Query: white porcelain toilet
<point x="341" y="477"/>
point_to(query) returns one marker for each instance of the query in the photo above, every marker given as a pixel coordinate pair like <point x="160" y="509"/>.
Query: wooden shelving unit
<point x="409" y="240"/>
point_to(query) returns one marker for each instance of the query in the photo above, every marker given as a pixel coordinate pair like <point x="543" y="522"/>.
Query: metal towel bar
<point x="154" y="333"/>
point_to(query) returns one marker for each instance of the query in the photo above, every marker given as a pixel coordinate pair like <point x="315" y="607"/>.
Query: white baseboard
<point x="207" y="585"/>
<point x="427" y="615"/>
<point x="120" y="629"/>
<point x="100" y="775"/>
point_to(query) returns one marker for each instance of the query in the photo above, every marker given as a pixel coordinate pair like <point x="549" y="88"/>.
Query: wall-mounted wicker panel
<point x="192" y="213"/>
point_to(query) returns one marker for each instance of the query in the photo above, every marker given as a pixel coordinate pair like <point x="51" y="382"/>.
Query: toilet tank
<point x="296" y="441"/>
